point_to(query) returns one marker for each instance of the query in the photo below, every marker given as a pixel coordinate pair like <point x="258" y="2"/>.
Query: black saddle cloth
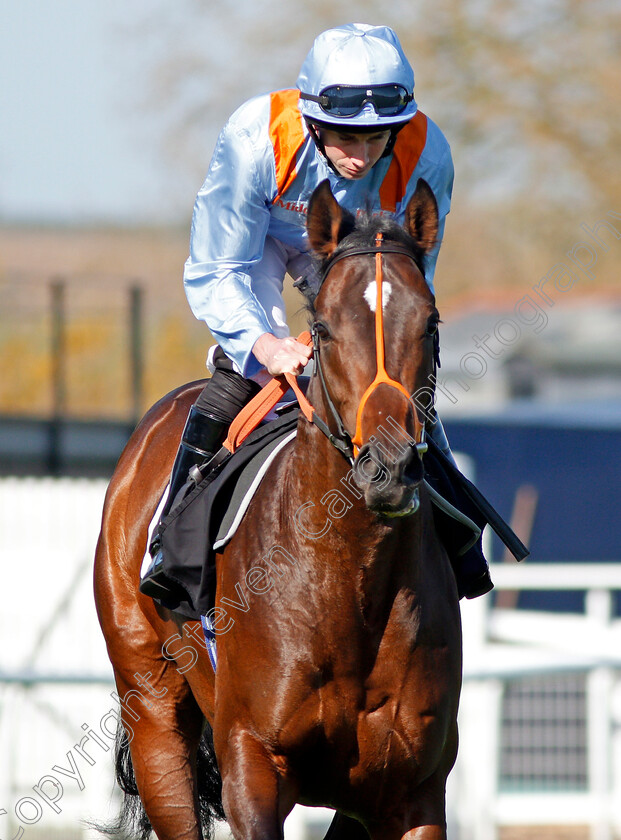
<point x="189" y="531"/>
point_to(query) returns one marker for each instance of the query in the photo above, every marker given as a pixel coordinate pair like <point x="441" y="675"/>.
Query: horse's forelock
<point x="367" y="228"/>
<point x="364" y="236"/>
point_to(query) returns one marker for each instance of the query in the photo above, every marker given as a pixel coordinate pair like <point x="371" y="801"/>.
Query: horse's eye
<point x="321" y="331"/>
<point x="432" y="326"/>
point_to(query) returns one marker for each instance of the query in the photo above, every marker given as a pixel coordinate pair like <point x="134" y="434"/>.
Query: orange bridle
<point x="381" y="377"/>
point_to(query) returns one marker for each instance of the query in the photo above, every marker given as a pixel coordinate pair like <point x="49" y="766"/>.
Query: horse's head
<point x="374" y="329"/>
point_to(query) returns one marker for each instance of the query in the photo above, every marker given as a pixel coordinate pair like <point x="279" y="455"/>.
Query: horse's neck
<point x="327" y="501"/>
<point x="361" y="560"/>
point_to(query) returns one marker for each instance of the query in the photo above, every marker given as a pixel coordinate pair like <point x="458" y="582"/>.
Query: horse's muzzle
<point x="389" y="481"/>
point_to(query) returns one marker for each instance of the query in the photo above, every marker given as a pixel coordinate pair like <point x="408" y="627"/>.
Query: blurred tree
<point x="530" y="96"/>
<point x="527" y="93"/>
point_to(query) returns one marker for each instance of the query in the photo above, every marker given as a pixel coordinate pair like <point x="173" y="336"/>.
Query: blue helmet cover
<point x="356" y="54"/>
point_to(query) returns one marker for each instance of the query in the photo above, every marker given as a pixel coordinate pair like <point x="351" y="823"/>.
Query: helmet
<point x="357" y="76"/>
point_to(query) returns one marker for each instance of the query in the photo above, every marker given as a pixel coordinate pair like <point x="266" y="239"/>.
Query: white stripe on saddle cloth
<point x="146" y="560"/>
<point x="243" y="507"/>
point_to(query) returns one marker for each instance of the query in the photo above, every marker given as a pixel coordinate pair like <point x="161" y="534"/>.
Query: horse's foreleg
<point x="426" y="832"/>
<point x="255" y="793"/>
<point x="425" y="821"/>
<point x="424" y="818"/>
<point x="424" y="826"/>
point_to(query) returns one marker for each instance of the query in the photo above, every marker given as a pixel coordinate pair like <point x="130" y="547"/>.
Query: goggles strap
<point x="312" y="129"/>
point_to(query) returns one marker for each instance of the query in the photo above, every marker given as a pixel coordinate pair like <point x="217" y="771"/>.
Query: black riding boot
<point x="201" y="439"/>
<point x="222" y="398"/>
<point x="470" y="566"/>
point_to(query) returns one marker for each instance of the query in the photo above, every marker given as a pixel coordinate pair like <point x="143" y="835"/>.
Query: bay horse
<point x="337" y="615"/>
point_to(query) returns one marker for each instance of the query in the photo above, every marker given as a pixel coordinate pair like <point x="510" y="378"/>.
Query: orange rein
<point x="381" y="377"/>
<point x="251" y="415"/>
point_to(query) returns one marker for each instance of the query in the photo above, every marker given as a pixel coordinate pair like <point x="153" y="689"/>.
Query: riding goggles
<point x="349" y="100"/>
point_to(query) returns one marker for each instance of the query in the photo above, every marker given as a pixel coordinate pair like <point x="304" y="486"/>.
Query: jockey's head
<point x="356" y="80"/>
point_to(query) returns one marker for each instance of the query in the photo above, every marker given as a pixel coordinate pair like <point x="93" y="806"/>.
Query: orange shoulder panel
<point x="287" y="135"/>
<point x="408" y="149"/>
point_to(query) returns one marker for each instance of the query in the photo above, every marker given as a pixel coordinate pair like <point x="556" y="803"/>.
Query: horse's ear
<point x="421" y="216"/>
<point x="327" y="222"/>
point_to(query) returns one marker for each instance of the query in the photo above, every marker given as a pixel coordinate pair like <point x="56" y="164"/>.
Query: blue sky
<point x="90" y="95"/>
<point x="91" y="91"/>
<point x="72" y="145"/>
<point x="87" y="104"/>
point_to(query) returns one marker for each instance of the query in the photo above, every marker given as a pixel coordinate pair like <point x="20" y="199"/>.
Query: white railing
<point x="49" y="631"/>
<point x="501" y="645"/>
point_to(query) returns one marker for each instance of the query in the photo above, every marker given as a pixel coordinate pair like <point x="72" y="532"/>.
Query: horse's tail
<point x="132" y="822"/>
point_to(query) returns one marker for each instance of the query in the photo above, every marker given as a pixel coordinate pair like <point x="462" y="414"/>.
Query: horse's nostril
<point x="370" y="468"/>
<point x="388" y="480"/>
<point x="413" y="472"/>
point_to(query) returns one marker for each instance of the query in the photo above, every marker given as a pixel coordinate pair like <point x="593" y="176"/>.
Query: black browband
<point x="384" y="248"/>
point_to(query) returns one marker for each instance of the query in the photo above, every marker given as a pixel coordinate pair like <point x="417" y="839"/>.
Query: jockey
<point x="352" y="119"/>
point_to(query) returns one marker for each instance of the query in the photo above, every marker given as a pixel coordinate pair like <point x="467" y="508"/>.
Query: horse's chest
<point x="367" y="744"/>
<point x="383" y="715"/>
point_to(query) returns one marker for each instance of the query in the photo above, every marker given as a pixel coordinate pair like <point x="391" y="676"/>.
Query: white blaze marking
<point x="370" y="294"/>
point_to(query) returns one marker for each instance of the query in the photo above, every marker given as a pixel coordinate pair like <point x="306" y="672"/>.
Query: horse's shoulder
<point x="177" y="398"/>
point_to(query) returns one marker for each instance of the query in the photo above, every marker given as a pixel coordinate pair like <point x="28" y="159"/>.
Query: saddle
<point x="205" y="520"/>
<point x="206" y="517"/>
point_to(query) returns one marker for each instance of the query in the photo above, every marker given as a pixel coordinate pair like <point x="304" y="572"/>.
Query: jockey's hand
<point x="281" y="355"/>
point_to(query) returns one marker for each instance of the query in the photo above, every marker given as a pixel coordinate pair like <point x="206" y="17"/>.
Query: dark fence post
<point x="59" y="374"/>
<point x="136" y="351"/>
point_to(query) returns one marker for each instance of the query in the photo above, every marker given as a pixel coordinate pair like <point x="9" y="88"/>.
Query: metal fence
<point x="543" y="734"/>
<point x="82" y="358"/>
<point x="64" y="343"/>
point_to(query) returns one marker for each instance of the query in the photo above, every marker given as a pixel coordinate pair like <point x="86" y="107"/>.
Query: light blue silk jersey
<point x="238" y="208"/>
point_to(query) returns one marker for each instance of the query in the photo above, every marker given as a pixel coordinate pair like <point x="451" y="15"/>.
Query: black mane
<point x="365" y="232"/>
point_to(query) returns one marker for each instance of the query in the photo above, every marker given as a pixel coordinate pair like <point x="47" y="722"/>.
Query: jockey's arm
<point x="229" y="229"/>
